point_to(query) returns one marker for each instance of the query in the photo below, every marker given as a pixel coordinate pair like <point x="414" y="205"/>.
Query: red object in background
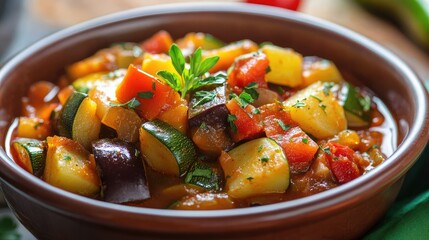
<point x="288" y="4"/>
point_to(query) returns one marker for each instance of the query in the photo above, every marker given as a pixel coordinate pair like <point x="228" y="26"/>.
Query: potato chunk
<point x="254" y="168"/>
<point x="317" y="111"/>
<point x="285" y="66"/>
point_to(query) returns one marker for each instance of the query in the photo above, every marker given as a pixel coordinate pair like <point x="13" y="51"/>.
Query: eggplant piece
<point x="121" y="170"/>
<point x="211" y="112"/>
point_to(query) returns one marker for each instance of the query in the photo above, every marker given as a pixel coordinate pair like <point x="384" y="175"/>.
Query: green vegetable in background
<point x="8" y="229"/>
<point x="412" y="15"/>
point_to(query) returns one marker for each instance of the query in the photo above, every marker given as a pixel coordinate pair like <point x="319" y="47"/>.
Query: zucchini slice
<point x="166" y="149"/>
<point x="203" y="175"/>
<point x="31" y="155"/>
<point x="255" y="168"/>
<point x="78" y="119"/>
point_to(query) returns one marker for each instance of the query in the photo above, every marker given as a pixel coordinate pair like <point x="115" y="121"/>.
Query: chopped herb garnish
<point x="327" y="87"/>
<point x="305" y="140"/>
<point x="203" y="126"/>
<point x="67" y="158"/>
<point x="203" y="97"/>
<point x="268" y="69"/>
<point x="245" y="99"/>
<point x="326" y="150"/>
<point x="299" y="104"/>
<point x="192" y="76"/>
<point x="250" y="178"/>
<point x="256" y="111"/>
<point x="375" y="146"/>
<point x="37" y="125"/>
<point x="153" y="86"/>
<point x="283" y="125"/>
<point x="318" y="99"/>
<point x="280" y="90"/>
<point x="279" y="137"/>
<point x="260" y="147"/>
<point x="132" y="104"/>
<point x="251" y="89"/>
<point x="231" y="118"/>
<point x="145" y="95"/>
<point x="322" y="106"/>
<point x="264" y="159"/>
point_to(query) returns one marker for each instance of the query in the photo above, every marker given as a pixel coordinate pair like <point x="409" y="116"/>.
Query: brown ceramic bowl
<point x="345" y="212"/>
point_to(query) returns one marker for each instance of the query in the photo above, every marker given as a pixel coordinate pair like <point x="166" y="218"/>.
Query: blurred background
<point x="400" y="26"/>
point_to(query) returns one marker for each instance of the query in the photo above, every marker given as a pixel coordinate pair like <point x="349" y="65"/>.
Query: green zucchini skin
<point x="181" y="147"/>
<point x="357" y="114"/>
<point x="122" y="171"/>
<point x="36" y="151"/>
<point x="68" y="113"/>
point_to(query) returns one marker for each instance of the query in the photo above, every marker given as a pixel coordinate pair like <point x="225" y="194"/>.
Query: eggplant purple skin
<point x="211" y="113"/>
<point x="121" y="170"/>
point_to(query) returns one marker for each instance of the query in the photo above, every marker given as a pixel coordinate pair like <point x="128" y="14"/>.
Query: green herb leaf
<point x="206" y="65"/>
<point x="203" y="97"/>
<point x="365" y="102"/>
<point x="251" y="89"/>
<point x="322" y="106"/>
<point x="67" y="158"/>
<point x="195" y="62"/>
<point x="305" y="140"/>
<point x="37" y="125"/>
<point x="299" y="104"/>
<point x="231" y="118"/>
<point x="327" y="87"/>
<point x="327" y="150"/>
<point x="260" y="147"/>
<point x="264" y="159"/>
<point x="212" y="80"/>
<point x="283" y="125"/>
<point x="250" y="178"/>
<point x="8" y="229"/>
<point x="318" y="99"/>
<point x="172" y="79"/>
<point x="132" y="104"/>
<point x="145" y="95"/>
<point x="203" y="125"/>
<point x="177" y="58"/>
<point x="256" y="111"/>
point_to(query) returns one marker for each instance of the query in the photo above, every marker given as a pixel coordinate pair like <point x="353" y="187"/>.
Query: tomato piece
<point x="246" y="127"/>
<point x="160" y="42"/>
<point x="341" y="161"/>
<point x="274" y="119"/>
<point x="299" y="148"/>
<point x="247" y="69"/>
<point x="287" y="4"/>
<point x="159" y="96"/>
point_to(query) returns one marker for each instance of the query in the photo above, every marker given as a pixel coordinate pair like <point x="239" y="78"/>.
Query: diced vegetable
<point x="254" y="168"/>
<point x="228" y="53"/>
<point x="160" y="42"/>
<point x="212" y="138"/>
<point x="126" y="53"/>
<point x="242" y="124"/>
<point x="357" y="106"/>
<point x="319" y="69"/>
<point x="341" y="162"/>
<point x="192" y="41"/>
<point x="31" y="155"/>
<point x="102" y="61"/>
<point x="298" y="147"/>
<point x="208" y="107"/>
<point x="285" y="66"/>
<point x="104" y="95"/>
<point x="153" y="63"/>
<point x="122" y="171"/>
<point x="36" y="128"/>
<point x="153" y="95"/>
<point x="79" y="121"/>
<point x="88" y="82"/>
<point x="317" y="111"/>
<point x="69" y="167"/>
<point x="176" y="116"/>
<point x="248" y="68"/>
<point x="166" y="149"/>
<point x="126" y="123"/>
<point x="203" y="175"/>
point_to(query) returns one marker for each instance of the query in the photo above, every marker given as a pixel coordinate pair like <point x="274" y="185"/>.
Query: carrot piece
<point x="160" y="42"/>
<point x="153" y="95"/>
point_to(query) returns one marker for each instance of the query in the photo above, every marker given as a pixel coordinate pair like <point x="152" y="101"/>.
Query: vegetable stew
<point x="196" y="123"/>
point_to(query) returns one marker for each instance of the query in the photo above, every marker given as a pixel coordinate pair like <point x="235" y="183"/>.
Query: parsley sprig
<point x="187" y="79"/>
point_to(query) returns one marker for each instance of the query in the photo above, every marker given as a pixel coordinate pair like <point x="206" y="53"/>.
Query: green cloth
<point x="408" y="218"/>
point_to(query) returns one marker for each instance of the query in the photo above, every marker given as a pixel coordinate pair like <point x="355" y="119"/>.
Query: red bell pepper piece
<point x="160" y="42"/>
<point x="247" y="69"/>
<point x="153" y="95"/>
<point x="244" y="126"/>
<point x="341" y="161"/>
<point x="299" y="149"/>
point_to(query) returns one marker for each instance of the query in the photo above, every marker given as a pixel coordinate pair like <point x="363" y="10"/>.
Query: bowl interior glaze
<point x="357" y="58"/>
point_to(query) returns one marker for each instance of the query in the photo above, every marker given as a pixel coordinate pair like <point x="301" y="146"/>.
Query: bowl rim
<point x="17" y="178"/>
